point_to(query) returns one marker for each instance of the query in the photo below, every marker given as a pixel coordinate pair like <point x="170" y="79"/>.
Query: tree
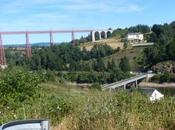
<point x="101" y="51"/>
<point x="140" y="28"/>
<point x="171" y="50"/>
<point x="120" y="33"/>
<point x="164" y="47"/>
<point x="165" y="77"/>
<point x="157" y="29"/>
<point x="111" y="66"/>
<point x="100" y="66"/>
<point x="125" y="45"/>
<point x="153" y="38"/>
<point x="124" y="64"/>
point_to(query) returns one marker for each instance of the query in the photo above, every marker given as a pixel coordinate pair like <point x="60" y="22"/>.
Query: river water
<point x="167" y="91"/>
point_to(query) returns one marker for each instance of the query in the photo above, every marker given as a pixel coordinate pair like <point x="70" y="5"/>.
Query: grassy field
<point x="132" y="54"/>
<point x="72" y="108"/>
<point x="96" y="110"/>
<point x="114" y="43"/>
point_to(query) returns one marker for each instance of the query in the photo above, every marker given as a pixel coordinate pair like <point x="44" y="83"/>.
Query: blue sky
<point x="79" y="14"/>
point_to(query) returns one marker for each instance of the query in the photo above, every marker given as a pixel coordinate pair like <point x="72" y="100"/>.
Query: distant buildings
<point x="135" y="37"/>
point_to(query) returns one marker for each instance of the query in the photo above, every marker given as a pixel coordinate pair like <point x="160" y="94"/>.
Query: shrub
<point x="58" y="107"/>
<point x="162" y="78"/>
<point x="95" y="86"/>
<point x="17" y="86"/>
<point x="165" y="78"/>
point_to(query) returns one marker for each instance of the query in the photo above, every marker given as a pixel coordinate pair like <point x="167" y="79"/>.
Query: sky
<point x="26" y="15"/>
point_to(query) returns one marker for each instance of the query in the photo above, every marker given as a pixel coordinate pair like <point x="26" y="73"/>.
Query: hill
<point x="113" y="42"/>
<point x="165" y="66"/>
<point x="133" y="55"/>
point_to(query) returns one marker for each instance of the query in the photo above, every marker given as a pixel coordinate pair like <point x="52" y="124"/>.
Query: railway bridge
<point x="103" y="33"/>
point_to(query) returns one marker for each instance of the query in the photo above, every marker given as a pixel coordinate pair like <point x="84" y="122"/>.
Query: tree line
<point x="73" y="60"/>
<point x="164" y="48"/>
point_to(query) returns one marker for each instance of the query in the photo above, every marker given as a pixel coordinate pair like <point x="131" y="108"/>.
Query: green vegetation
<point x="121" y="33"/>
<point x="139" y="28"/>
<point x="165" y="77"/>
<point x="134" y="56"/>
<point x="163" y="37"/>
<point x="17" y="86"/>
<point x="124" y="64"/>
<point x="72" y="64"/>
<point x="58" y="57"/>
<point x="71" y="108"/>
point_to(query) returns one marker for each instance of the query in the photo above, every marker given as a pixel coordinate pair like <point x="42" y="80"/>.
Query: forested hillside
<point x="164" y="49"/>
<point x="74" y="64"/>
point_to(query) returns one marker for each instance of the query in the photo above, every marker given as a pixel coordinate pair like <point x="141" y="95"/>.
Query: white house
<point x="135" y="37"/>
<point x="152" y="93"/>
<point x="2" y="67"/>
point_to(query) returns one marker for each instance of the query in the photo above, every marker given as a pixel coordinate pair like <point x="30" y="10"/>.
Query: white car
<point x="26" y="125"/>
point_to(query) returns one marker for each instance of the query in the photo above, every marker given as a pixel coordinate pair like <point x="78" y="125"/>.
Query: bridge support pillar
<point x="136" y="83"/>
<point x="124" y="86"/>
<point x="106" y="34"/>
<point x="148" y="77"/>
<point x="28" y="47"/>
<point x="51" y="39"/>
<point x="93" y="36"/>
<point x="99" y="35"/>
<point x="2" y="54"/>
<point x="73" y="38"/>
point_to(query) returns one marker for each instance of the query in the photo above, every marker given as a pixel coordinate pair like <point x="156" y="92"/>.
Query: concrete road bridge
<point x="123" y="83"/>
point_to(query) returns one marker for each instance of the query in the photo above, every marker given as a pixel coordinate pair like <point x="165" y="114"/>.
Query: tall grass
<point x="75" y="109"/>
<point x="125" y="111"/>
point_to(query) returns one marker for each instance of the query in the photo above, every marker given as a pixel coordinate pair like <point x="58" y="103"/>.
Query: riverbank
<point x="156" y="85"/>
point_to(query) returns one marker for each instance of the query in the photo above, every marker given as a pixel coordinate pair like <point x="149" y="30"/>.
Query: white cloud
<point x="115" y="6"/>
<point x="50" y="13"/>
<point x="111" y="6"/>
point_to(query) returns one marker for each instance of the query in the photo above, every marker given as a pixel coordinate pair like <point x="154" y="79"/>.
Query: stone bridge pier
<point x="102" y="34"/>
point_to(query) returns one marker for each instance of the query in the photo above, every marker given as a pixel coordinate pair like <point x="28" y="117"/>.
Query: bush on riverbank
<point x="163" y="78"/>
